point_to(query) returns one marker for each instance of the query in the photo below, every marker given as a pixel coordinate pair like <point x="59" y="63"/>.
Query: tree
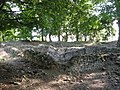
<point x="54" y="17"/>
<point x="117" y="5"/>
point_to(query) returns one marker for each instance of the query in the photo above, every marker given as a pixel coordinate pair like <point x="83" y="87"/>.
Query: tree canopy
<point x="88" y="20"/>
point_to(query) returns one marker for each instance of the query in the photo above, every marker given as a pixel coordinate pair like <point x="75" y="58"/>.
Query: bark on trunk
<point x="66" y="37"/>
<point x="58" y="35"/>
<point x="31" y="37"/>
<point x="3" y="38"/>
<point x="50" y="37"/>
<point x="42" y="35"/>
<point x="77" y="35"/>
<point x="118" y="42"/>
<point x="85" y="38"/>
<point x="90" y="39"/>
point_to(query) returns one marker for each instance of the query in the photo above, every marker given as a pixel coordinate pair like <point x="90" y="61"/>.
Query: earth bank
<point x="57" y="66"/>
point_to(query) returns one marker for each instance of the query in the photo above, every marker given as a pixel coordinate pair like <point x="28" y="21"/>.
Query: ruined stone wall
<point x="89" y="57"/>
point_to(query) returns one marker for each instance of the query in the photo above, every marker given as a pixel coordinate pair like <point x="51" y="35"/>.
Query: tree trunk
<point x="50" y="37"/>
<point x="66" y="37"/>
<point x="90" y="38"/>
<point x="118" y="42"/>
<point x="31" y="37"/>
<point x="85" y="38"/>
<point x="3" y="37"/>
<point x="77" y="35"/>
<point x="42" y="34"/>
<point x="58" y="35"/>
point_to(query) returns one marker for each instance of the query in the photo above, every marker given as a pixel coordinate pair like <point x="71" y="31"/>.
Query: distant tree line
<point x="88" y="20"/>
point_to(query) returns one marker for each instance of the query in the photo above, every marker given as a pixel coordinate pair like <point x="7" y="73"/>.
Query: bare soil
<point x="19" y="74"/>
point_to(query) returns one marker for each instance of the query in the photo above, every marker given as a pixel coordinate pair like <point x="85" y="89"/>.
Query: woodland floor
<point x="18" y="74"/>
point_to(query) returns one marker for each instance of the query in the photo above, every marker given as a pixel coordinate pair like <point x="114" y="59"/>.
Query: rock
<point x="115" y="84"/>
<point x="60" y="55"/>
<point x="117" y="73"/>
<point x="35" y="71"/>
<point x="103" y="68"/>
<point x="117" y="63"/>
<point x="3" y="70"/>
<point x="40" y="58"/>
<point x="12" y="51"/>
<point x="15" y="83"/>
<point x="81" y="80"/>
<point x="22" y="71"/>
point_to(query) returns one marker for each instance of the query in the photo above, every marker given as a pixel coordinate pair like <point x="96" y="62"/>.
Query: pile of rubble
<point x="46" y="55"/>
<point x="74" y="61"/>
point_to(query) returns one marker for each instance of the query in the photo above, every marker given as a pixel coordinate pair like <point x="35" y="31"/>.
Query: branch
<point x="2" y="3"/>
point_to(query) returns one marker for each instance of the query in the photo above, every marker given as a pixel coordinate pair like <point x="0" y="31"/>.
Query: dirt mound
<point x="95" y="68"/>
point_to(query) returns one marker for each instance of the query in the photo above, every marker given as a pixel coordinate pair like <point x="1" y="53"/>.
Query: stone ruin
<point x="48" y="56"/>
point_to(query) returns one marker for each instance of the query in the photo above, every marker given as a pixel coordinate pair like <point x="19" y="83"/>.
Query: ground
<point x="19" y="74"/>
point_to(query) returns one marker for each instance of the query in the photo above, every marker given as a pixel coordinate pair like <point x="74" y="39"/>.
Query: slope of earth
<point x="85" y="72"/>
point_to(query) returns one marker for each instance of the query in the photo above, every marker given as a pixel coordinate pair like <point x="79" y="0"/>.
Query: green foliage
<point x="56" y="17"/>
